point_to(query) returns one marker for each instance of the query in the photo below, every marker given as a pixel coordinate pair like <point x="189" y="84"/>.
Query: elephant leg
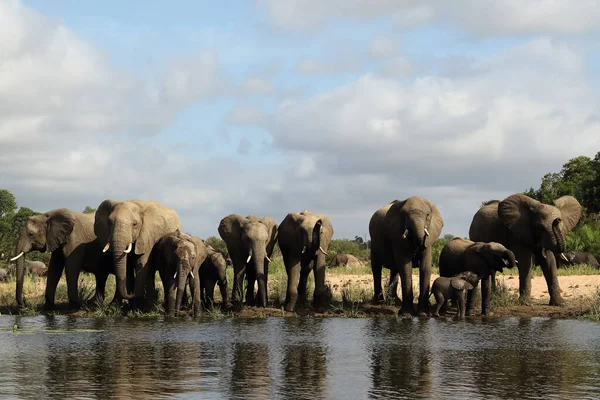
<point x="404" y="266"/>
<point x="424" y="282"/>
<point x="460" y="301"/>
<point x="376" y="266"/>
<point x="209" y="287"/>
<point x="237" y="295"/>
<point x="251" y="278"/>
<point x="548" y="265"/>
<point x="320" y="294"/>
<point x="141" y="281"/>
<point x="55" y="270"/>
<point x="266" y="278"/>
<point x="486" y="294"/>
<point x="439" y="300"/>
<point x="303" y="282"/>
<point x="392" y="286"/>
<point x="101" y="278"/>
<point x="72" y="271"/>
<point x="224" y="295"/>
<point x="170" y="295"/>
<point x="523" y="256"/>
<point x="470" y="306"/>
<point x="493" y="280"/>
<point x="195" y="289"/>
<point x="292" y="267"/>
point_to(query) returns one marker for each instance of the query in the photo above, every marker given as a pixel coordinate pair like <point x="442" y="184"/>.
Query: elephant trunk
<point x="510" y="257"/>
<point x="181" y="282"/>
<point x="559" y="238"/>
<point x="120" y="242"/>
<point x="259" y="259"/>
<point x="23" y="246"/>
<point x="417" y="231"/>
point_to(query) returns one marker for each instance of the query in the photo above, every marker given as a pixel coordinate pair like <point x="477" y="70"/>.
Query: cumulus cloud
<point x="494" y="17"/>
<point x="245" y="115"/>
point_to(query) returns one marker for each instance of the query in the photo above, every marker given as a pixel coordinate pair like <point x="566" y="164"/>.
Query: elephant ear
<point x="157" y="221"/>
<point x="515" y="213"/>
<point x="59" y="226"/>
<point x="272" y="228"/>
<point x="436" y="223"/>
<point x="395" y="218"/>
<point x="327" y="232"/>
<point x="230" y="230"/>
<point x="460" y="283"/>
<point x="201" y="250"/>
<point x="101" y="228"/>
<point x="570" y="211"/>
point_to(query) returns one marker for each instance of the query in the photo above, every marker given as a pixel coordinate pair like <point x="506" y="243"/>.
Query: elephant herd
<point x="134" y="239"/>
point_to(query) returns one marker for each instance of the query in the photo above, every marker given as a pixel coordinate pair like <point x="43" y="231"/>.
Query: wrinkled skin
<point x="304" y="239"/>
<point x="483" y="259"/>
<point x="130" y="229"/>
<point x="529" y="229"/>
<point x="402" y="235"/>
<point x="250" y="242"/>
<point x="455" y="289"/>
<point x="70" y="237"/>
<point x="31" y="267"/>
<point x="576" y="258"/>
<point x="345" y="259"/>
<point x="177" y="257"/>
<point x="212" y="272"/>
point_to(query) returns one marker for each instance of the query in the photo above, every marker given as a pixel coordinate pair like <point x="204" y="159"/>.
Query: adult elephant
<point x="345" y="259"/>
<point x="402" y="234"/>
<point x="577" y="257"/>
<point x="460" y="255"/>
<point x="304" y="239"/>
<point x="529" y="228"/>
<point x="133" y="225"/>
<point x="178" y="256"/>
<point x="31" y="267"/>
<point x="70" y="237"/>
<point x="250" y="242"/>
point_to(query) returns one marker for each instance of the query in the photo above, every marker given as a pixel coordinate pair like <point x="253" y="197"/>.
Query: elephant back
<point x="451" y="256"/>
<point x="486" y="225"/>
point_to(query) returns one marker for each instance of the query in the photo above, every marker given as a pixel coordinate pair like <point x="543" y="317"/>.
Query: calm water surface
<point x="59" y="357"/>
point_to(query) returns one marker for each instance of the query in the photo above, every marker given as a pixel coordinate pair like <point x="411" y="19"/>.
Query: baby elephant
<point x="212" y="272"/>
<point x="455" y="289"/>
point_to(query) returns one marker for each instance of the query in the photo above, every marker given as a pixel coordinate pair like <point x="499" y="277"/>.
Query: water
<point x="299" y="358"/>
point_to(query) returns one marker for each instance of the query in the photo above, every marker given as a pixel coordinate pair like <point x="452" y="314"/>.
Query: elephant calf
<point x="576" y="257"/>
<point x="345" y="259"/>
<point x="212" y="272"/>
<point x="4" y="275"/>
<point x="455" y="289"/>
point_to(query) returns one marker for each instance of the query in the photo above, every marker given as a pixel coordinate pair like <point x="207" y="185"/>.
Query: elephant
<point x="303" y="240"/>
<point x="402" y="234"/>
<point x="529" y="228"/>
<point x="70" y="237"/>
<point x="482" y="258"/>
<point x="575" y="258"/>
<point x="4" y="275"/>
<point x="453" y="288"/>
<point x="31" y="267"/>
<point x="131" y="229"/>
<point x="212" y="272"/>
<point x="346" y="260"/>
<point x="250" y="242"/>
<point x="177" y="256"/>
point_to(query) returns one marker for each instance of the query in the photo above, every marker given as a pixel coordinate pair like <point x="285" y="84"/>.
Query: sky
<point x="267" y="107"/>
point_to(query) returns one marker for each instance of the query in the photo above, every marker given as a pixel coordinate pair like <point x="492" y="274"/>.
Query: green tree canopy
<point x="89" y="210"/>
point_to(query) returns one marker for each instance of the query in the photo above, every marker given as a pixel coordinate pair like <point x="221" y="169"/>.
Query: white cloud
<point x="245" y="115"/>
<point x="384" y="47"/>
<point x="493" y="17"/>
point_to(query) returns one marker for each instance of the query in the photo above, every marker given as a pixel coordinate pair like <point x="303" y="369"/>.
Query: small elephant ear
<point x="230" y="230"/>
<point x="157" y="221"/>
<point x="570" y="211"/>
<point x="436" y="223"/>
<point x="60" y="225"/>
<point x="101" y="228"/>
<point x="515" y="213"/>
<point x="327" y="232"/>
<point x="460" y="283"/>
<point x="201" y="250"/>
<point x="272" y="228"/>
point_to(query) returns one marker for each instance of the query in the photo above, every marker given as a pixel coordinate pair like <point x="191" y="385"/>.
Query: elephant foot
<point x="378" y="299"/>
<point x="435" y="314"/>
<point x="525" y="301"/>
<point x="557" y="300"/>
<point x="237" y="306"/>
<point x="406" y="311"/>
<point x="74" y="305"/>
<point x="47" y="306"/>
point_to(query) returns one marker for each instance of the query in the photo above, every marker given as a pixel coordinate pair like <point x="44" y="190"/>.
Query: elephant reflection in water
<point x="250" y="372"/>
<point x="399" y="367"/>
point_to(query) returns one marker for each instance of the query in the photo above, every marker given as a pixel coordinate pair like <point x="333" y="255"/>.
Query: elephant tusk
<point x="426" y="232"/>
<point x="17" y="256"/>
<point x="505" y="261"/>
<point x="249" y="257"/>
<point x="303" y="249"/>
<point x="405" y="234"/>
<point x="105" y="249"/>
<point x="175" y="276"/>
<point x="268" y="259"/>
<point x="562" y="255"/>
<point x="192" y="274"/>
<point x="323" y="251"/>
<point x="128" y="249"/>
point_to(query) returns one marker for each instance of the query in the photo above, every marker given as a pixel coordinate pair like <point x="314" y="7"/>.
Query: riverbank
<point x="350" y="291"/>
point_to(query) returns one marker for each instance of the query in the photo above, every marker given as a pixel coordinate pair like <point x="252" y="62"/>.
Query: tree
<point x="218" y="244"/>
<point x="89" y="210"/>
<point x="8" y="203"/>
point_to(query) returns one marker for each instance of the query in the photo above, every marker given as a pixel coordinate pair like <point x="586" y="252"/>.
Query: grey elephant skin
<point x="481" y="258"/>
<point x="453" y="288"/>
<point x="130" y="229"/>
<point x="304" y="239"/>
<point x="70" y="237"/>
<point x="250" y="242"/>
<point x="31" y="267"/>
<point x="402" y="234"/>
<point x="529" y="229"/>
<point x="345" y="259"/>
<point x="4" y="275"/>
<point x="576" y="258"/>
<point x="177" y="257"/>
<point x="213" y="272"/>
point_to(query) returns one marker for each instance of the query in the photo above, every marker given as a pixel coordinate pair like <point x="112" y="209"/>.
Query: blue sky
<point x="271" y="106"/>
